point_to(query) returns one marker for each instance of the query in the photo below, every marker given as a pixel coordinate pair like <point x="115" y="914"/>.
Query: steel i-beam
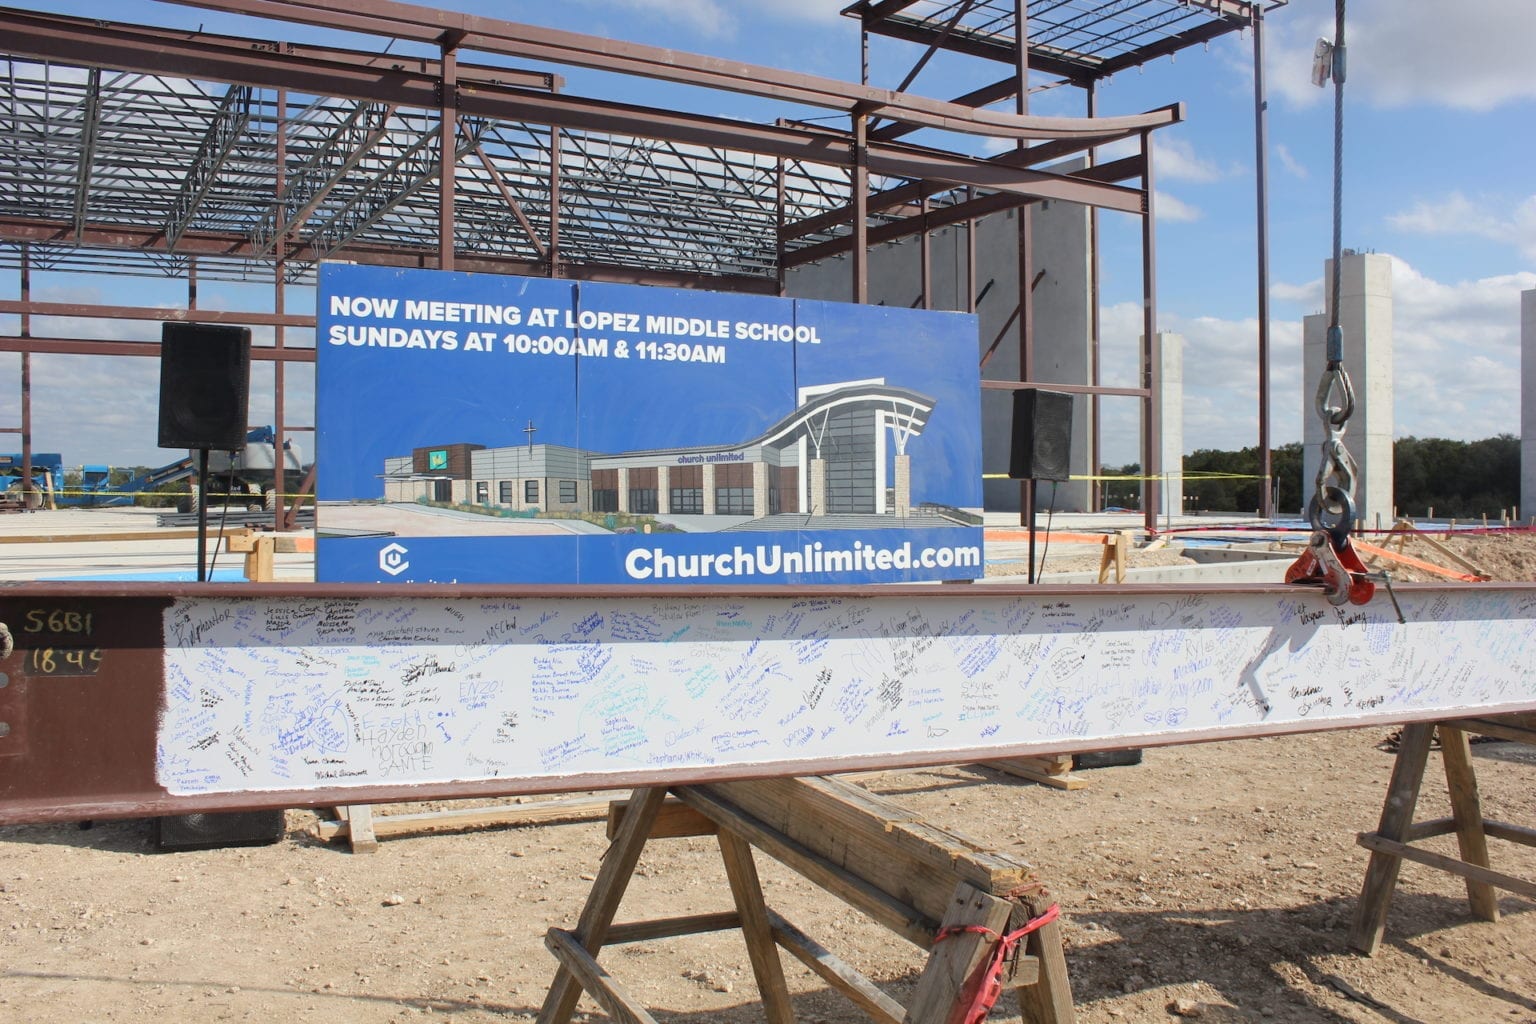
<point x="124" y="700"/>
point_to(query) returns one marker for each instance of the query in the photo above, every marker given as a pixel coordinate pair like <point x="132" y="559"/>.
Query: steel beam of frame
<point x="1077" y="68"/>
<point x="514" y="207"/>
<point x="415" y="169"/>
<point x="224" y="133"/>
<point x="334" y="159"/>
<point x="92" y="120"/>
<point x="267" y="68"/>
<point x="905" y="195"/>
<point x="530" y="42"/>
<point x="1000" y="178"/>
<point x="1164" y="47"/>
<point x="986" y="95"/>
<point x="147" y="240"/>
<point x="942" y="216"/>
<point x="135" y="699"/>
<point x="205" y="316"/>
<point x="914" y="30"/>
<point x="89" y="347"/>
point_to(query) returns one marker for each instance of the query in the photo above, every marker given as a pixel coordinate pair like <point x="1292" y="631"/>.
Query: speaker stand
<point x="1029" y="510"/>
<point x="202" y="515"/>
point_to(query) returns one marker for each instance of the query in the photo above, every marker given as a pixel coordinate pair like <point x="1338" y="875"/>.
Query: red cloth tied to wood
<point x="985" y="985"/>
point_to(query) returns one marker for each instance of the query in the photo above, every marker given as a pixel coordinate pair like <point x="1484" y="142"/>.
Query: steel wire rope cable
<point x="1330" y="559"/>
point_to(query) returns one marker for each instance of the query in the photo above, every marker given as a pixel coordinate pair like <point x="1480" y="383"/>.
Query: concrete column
<point x="816" y="501"/>
<point x="1169" y="381"/>
<point x="903" y="486"/>
<point x="1365" y="315"/>
<point x="759" y="489"/>
<point x="1527" y="405"/>
<point x="663" y="491"/>
<point x="709" y="488"/>
<point x="623" y="489"/>
<point x="1063" y="309"/>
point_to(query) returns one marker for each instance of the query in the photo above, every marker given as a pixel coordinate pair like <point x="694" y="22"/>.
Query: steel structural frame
<point x="719" y="170"/>
<point x="1082" y="42"/>
<point x="542" y="183"/>
<point x="630" y="193"/>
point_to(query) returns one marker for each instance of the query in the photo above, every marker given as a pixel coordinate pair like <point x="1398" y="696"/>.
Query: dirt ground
<point x="1218" y="878"/>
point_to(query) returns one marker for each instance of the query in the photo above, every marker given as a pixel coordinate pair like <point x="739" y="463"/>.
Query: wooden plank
<point x="247" y="540"/>
<point x="1049" y="775"/>
<point x="676" y="820"/>
<point x="598" y="983"/>
<point x="1418" y="563"/>
<point x="858" y="989"/>
<point x="1049" y="999"/>
<point x="1051" y="764"/>
<point x="746" y="890"/>
<point x="1467" y="812"/>
<point x="1446" y="552"/>
<point x="1396" y="819"/>
<point x="1512" y="728"/>
<point x="603" y="901"/>
<point x="258" y="561"/>
<point x="1402" y="851"/>
<point x="360" y="835"/>
<point x="876" y="840"/>
<point x="1519" y="834"/>
<point x="901" y="918"/>
<point x="950" y="975"/>
<point x="848" y="810"/>
<point x="87" y="538"/>
<point x="463" y="818"/>
<point x="672" y="927"/>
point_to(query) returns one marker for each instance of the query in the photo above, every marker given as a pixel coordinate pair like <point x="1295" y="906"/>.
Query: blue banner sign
<point x="478" y="428"/>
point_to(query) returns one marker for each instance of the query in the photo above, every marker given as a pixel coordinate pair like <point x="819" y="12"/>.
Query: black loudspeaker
<point x="205" y="382"/>
<point x="1042" y="435"/>
<point x="212" y="831"/>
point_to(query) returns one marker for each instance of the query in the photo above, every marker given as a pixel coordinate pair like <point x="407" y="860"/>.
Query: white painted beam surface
<point x="529" y="694"/>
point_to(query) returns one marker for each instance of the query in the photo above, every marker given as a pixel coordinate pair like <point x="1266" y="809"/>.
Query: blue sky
<point x="1440" y="152"/>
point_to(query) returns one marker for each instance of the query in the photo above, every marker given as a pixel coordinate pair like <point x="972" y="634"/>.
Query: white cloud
<point x="1309" y="295"/>
<point x="1458" y="215"/>
<point x="1173" y="210"/>
<point x="1456" y="365"/>
<point x="716" y="19"/>
<point x="1290" y="163"/>
<point x="707" y="18"/>
<point x="1473" y="55"/>
<point x="826" y="11"/>
<point x="1175" y="159"/>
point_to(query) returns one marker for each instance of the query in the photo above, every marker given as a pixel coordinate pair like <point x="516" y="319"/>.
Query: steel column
<point x="1026" y="222"/>
<point x="860" y="187"/>
<point x="26" y="378"/>
<point x="447" y="154"/>
<point x="1151" y="411"/>
<point x="279" y="302"/>
<point x="1095" y="408"/>
<point x="1261" y="180"/>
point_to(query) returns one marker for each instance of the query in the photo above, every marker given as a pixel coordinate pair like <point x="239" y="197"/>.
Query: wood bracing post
<point x="1393" y="840"/>
<point x="909" y="876"/>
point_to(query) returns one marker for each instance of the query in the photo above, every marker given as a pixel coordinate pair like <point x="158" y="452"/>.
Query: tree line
<point x="1458" y="479"/>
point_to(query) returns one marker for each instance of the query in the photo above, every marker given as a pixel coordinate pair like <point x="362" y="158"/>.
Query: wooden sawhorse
<point x="1393" y="840"/>
<point x="909" y="876"/>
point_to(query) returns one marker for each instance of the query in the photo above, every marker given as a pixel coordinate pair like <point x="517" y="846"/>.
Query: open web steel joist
<point x="131" y="699"/>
